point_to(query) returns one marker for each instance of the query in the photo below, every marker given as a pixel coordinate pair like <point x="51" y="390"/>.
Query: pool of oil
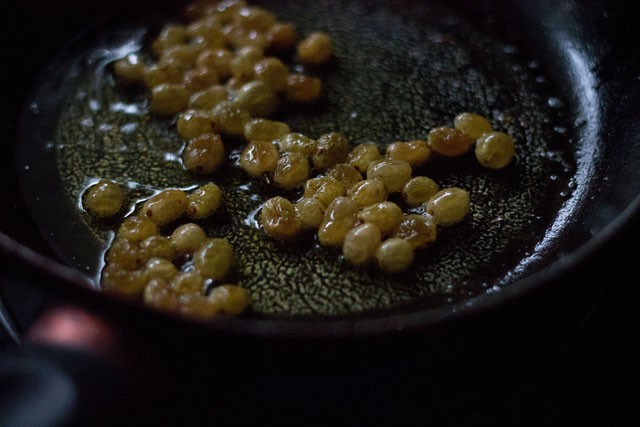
<point x="398" y="70"/>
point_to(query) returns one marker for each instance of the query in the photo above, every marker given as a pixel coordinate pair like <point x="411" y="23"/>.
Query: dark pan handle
<point x="74" y="365"/>
<point x="66" y="373"/>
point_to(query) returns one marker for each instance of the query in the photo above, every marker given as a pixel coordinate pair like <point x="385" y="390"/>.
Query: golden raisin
<point x="204" y="201"/>
<point x="129" y="69"/>
<point x="228" y="10"/>
<point x="393" y="173"/>
<point x="449" y="206"/>
<point x="281" y="37"/>
<point x="169" y="99"/>
<point x="265" y="130"/>
<point x="240" y="37"/>
<point x="158" y="74"/>
<point x="192" y="124"/>
<point x="418" y="190"/>
<point x="158" y="247"/>
<point x="157" y="268"/>
<point x="363" y="155"/>
<point x="495" y="150"/>
<point x="159" y="295"/>
<point x="311" y="212"/>
<point x="340" y="217"/>
<point x="242" y="64"/>
<point x="360" y="244"/>
<point x="291" y="171"/>
<point x="230" y="299"/>
<point x="230" y="118"/>
<point x="449" y="142"/>
<point x="296" y="143"/>
<point x="419" y="230"/>
<point x="214" y="258"/>
<point x="204" y="155"/>
<point x="280" y="219"/>
<point x="331" y="149"/>
<point x="126" y="283"/>
<point x="257" y="98"/>
<point x="126" y="254"/>
<point x="103" y="199"/>
<point x="272" y="72"/>
<point x="137" y="228"/>
<point x="208" y="98"/>
<point x="256" y="18"/>
<point x="259" y="157"/>
<point x="181" y="56"/>
<point x="302" y="89"/>
<point x="315" y="49"/>
<point x="394" y="255"/>
<point x="385" y="215"/>
<point x="214" y="39"/>
<point x="198" y="79"/>
<point x="345" y="174"/>
<point x="472" y="125"/>
<point x="187" y="238"/>
<point x="171" y="35"/>
<point x="205" y="27"/>
<point x="165" y="207"/>
<point x="416" y="153"/>
<point x="218" y="60"/>
<point x="187" y="282"/>
<point x="325" y="189"/>
<point x="368" y="192"/>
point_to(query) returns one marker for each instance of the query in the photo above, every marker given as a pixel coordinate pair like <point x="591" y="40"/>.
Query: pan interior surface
<point x="398" y="71"/>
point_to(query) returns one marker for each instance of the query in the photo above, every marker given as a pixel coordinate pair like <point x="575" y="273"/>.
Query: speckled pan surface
<point x="399" y="70"/>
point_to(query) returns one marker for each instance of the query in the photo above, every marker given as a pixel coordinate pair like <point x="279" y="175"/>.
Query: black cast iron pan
<point x="555" y="74"/>
<point x="398" y="71"/>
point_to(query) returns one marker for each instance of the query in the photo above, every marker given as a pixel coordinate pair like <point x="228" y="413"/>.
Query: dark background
<point x="568" y="355"/>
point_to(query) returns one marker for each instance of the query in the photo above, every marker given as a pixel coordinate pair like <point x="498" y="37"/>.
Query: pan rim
<point x="413" y="321"/>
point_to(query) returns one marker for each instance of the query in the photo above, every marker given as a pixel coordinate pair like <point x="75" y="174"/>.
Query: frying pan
<point x="578" y="47"/>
